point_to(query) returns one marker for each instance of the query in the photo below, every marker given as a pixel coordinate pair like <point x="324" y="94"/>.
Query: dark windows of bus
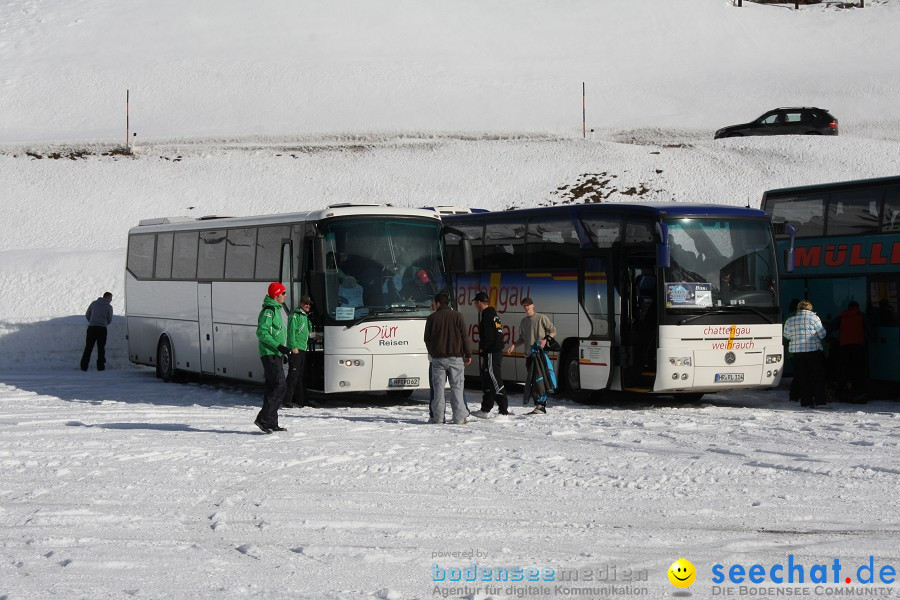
<point x="551" y="244"/>
<point x="891" y="217"/>
<point x="268" y="251"/>
<point x="806" y="215"/>
<point x="596" y="297"/>
<point x="164" y="243"/>
<point x="504" y="245"/>
<point x="211" y="260"/>
<point x="604" y="233"/>
<point x="184" y="255"/>
<point x="240" y="253"/>
<point x="851" y="213"/>
<point x="140" y="255"/>
<point x="884" y="301"/>
<point x="637" y="232"/>
<point x="475" y="233"/>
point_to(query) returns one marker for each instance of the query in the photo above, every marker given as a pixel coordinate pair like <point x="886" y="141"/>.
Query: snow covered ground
<point x="115" y="485"/>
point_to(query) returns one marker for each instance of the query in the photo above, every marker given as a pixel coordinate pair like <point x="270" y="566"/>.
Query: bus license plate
<point x="403" y="382"/>
<point x="729" y="377"/>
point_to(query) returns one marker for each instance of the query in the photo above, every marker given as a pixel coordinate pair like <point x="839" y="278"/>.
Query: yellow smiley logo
<point x="682" y="573"/>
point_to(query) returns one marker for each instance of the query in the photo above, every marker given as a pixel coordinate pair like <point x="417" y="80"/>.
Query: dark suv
<point x="786" y="121"/>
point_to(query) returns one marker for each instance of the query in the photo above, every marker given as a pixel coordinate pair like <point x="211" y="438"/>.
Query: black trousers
<point x="492" y="382"/>
<point x="95" y="334"/>
<point x="810" y="370"/>
<point x="854" y="367"/>
<point x="275" y="390"/>
<point x="296" y="390"/>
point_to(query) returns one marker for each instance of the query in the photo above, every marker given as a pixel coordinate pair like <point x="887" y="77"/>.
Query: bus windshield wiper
<point x="726" y="310"/>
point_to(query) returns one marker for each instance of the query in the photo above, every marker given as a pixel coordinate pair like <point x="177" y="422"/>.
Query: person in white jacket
<point x="99" y="315"/>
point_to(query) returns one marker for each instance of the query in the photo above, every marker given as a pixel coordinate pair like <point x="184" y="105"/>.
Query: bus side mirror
<point x="663" y="257"/>
<point x="465" y="245"/>
<point x="319" y="255"/>
<point x="789" y="258"/>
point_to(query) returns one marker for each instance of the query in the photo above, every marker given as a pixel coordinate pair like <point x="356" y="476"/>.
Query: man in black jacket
<point x="490" y="347"/>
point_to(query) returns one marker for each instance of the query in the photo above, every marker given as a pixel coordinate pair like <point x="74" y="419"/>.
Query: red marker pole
<point x="583" y="112"/>
<point x="127" y="128"/>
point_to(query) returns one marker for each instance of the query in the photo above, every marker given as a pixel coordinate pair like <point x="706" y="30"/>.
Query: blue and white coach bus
<point x="194" y="288"/>
<point x="656" y="298"/>
<point x="846" y="246"/>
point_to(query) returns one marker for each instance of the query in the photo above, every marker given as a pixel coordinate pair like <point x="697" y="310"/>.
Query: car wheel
<point x="165" y="360"/>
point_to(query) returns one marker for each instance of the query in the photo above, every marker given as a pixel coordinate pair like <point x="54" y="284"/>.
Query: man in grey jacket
<point x="99" y="315"/>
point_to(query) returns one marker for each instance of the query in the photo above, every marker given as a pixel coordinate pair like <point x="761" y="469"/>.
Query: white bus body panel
<point x="385" y="350"/>
<point x="735" y="353"/>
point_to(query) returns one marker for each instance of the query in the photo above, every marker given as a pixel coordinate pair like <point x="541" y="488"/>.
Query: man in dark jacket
<point x="490" y="348"/>
<point x="99" y="315"/>
<point x="445" y="338"/>
<point x="853" y="330"/>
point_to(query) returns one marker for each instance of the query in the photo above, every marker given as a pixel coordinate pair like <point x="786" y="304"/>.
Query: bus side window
<point x="504" y="245"/>
<point x="596" y="296"/>
<point x="806" y="214"/>
<point x="240" y="254"/>
<point x="164" y="242"/>
<point x="268" y="251"/>
<point x="184" y="255"/>
<point x="852" y="213"/>
<point x="552" y="244"/>
<point x="891" y="217"/>
<point x="141" y="250"/>
<point x="211" y="261"/>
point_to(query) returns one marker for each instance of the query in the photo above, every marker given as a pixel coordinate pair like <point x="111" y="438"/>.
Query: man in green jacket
<point x="298" y="334"/>
<point x="270" y="331"/>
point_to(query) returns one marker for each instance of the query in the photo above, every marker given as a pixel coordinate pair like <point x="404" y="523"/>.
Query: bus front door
<point x="593" y="361"/>
<point x="640" y="325"/>
<point x="204" y="313"/>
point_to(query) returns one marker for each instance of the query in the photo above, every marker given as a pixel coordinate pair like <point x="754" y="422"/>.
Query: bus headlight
<point x="773" y="358"/>
<point x="680" y="361"/>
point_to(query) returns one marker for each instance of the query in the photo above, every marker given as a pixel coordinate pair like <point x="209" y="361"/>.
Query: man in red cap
<point x="271" y="333"/>
<point x="421" y="288"/>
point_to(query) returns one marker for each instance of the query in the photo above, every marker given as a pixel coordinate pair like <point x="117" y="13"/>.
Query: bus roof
<point x="215" y="222"/>
<point x="835" y="185"/>
<point x="646" y="209"/>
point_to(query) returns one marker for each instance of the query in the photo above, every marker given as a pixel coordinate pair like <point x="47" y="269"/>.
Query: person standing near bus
<point x="534" y="327"/>
<point x="270" y="331"/>
<point x="298" y="334"/>
<point x="99" y="315"/>
<point x="805" y="332"/>
<point x="490" y="348"/>
<point x="853" y="333"/>
<point x="445" y="338"/>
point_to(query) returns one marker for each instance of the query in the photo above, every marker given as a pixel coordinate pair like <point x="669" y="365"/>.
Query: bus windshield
<point x="382" y="267"/>
<point x="718" y="263"/>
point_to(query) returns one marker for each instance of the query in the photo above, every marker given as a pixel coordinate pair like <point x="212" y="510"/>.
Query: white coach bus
<point x="194" y="289"/>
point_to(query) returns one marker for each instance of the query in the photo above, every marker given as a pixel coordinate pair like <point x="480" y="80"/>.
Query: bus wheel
<point x="571" y="376"/>
<point x="165" y="364"/>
